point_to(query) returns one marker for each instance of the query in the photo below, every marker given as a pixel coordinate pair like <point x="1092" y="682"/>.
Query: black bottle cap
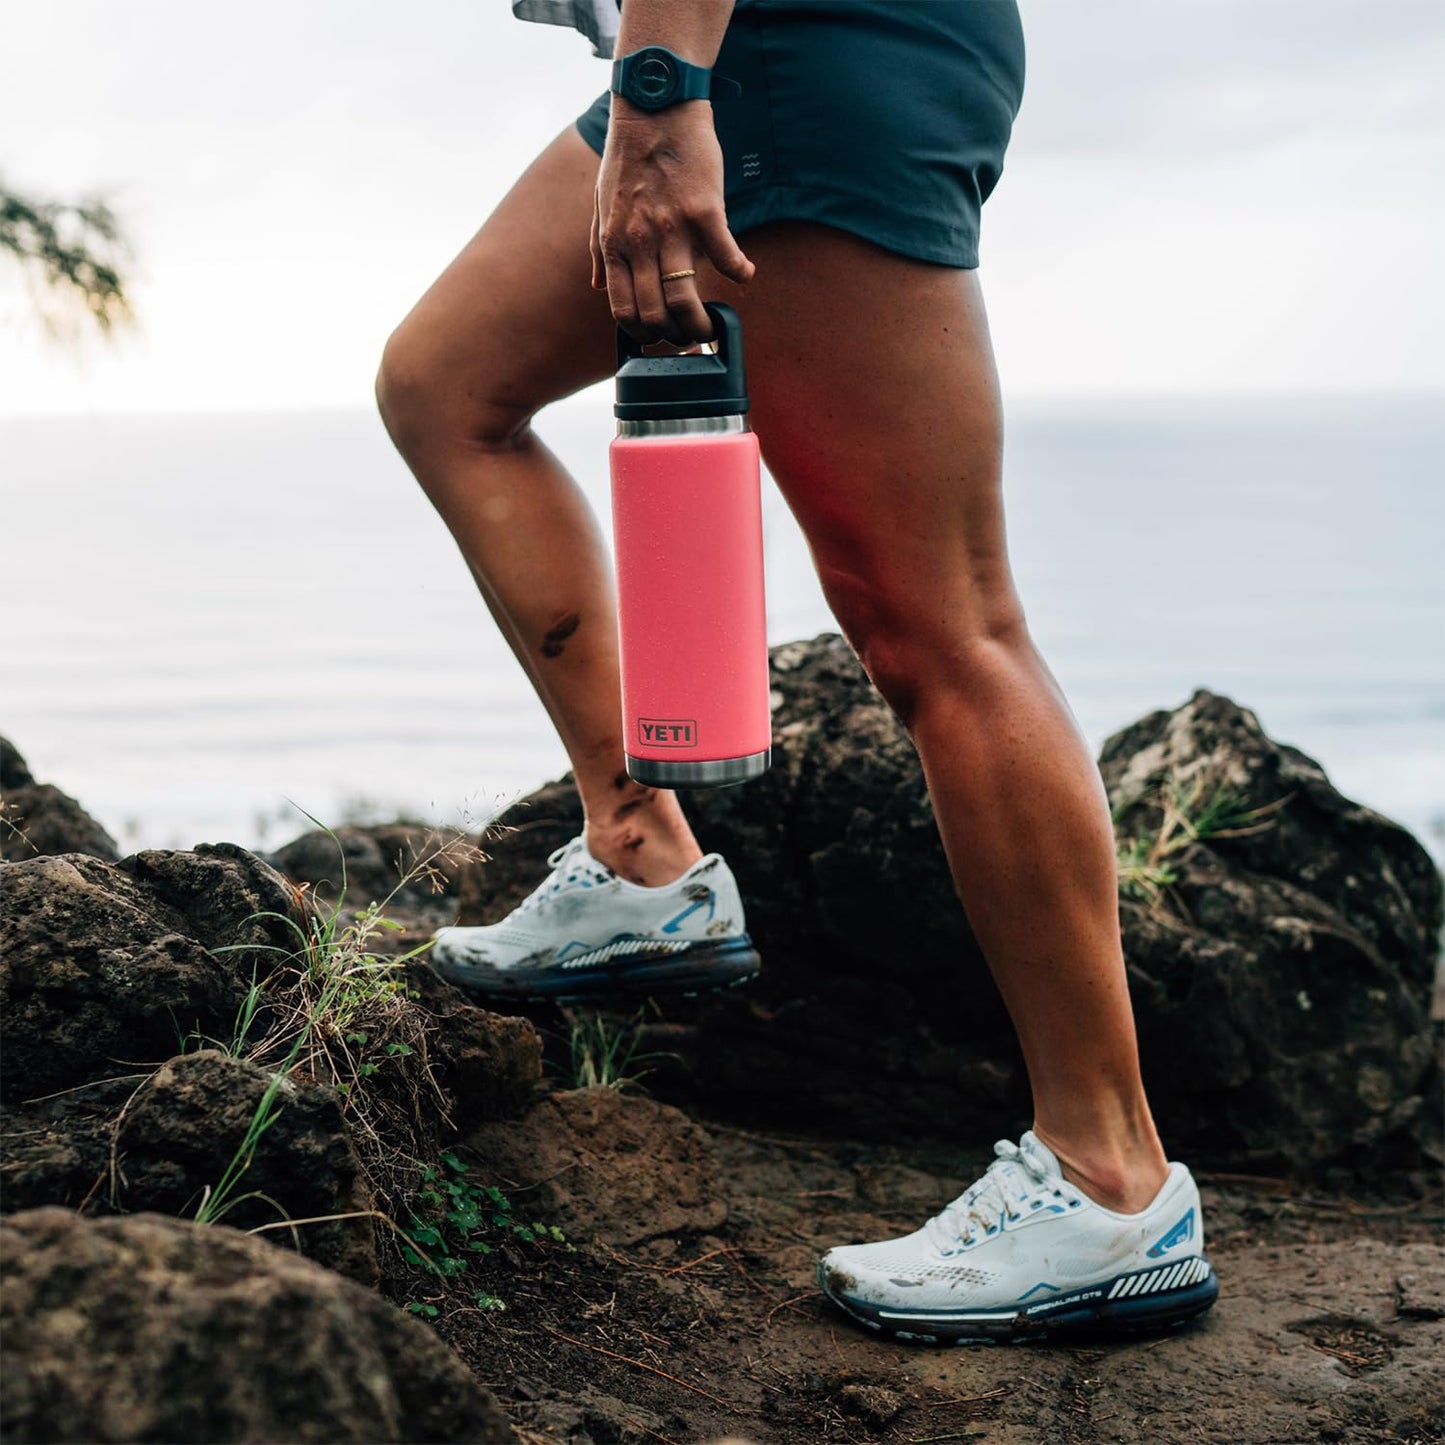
<point x="654" y="388"/>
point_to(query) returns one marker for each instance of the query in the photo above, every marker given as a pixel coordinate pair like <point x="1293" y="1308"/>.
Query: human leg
<point x="875" y="399"/>
<point x="511" y="325"/>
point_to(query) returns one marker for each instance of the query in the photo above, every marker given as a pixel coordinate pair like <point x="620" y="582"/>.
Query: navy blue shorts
<point x="885" y="118"/>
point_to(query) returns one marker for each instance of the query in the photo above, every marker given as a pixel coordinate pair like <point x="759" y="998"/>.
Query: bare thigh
<point x="875" y="400"/>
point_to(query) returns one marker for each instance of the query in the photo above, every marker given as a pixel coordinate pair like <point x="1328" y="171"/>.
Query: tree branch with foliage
<point x="75" y="250"/>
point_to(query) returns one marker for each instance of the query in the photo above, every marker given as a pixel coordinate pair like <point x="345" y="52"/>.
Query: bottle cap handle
<point x="696" y="384"/>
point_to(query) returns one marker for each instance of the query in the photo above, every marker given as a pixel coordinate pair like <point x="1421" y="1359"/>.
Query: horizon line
<point x="581" y="400"/>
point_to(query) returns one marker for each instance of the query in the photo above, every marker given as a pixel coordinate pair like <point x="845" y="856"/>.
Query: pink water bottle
<point x="687" y="521"/>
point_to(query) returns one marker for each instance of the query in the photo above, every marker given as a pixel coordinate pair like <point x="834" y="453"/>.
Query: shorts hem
<point x="591" y="132"/>
<point x="911" y="236"/>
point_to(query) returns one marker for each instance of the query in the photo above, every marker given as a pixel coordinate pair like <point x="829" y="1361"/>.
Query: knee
<point x="917" y="647"/>
<point x="427" y="398"/>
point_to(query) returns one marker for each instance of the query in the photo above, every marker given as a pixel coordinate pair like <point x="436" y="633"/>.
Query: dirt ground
<point x="1330" y="1324"/>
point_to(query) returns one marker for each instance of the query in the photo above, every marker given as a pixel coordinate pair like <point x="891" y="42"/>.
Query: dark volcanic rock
<point x="105" y="967"/>
<point x="95" y="979"/>
<point x="37" y="819"/>
<point x="598" y="1162"/>
<point x="147" y="1328"/>
<point x="1281" y="981"/>
<point x="13" y="770"/>
<point x="490" y="1065"/>
<point x="181" y="1132"/>
<point x="412" y="864"/>
<point x="116" y="1146"/>
<point x="229" y="898"/>
<point x="58" y="1151"/>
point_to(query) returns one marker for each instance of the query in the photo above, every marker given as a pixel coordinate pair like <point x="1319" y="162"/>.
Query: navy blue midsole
<point x="1083" y="1308"/>
<point x="702" y="966"/>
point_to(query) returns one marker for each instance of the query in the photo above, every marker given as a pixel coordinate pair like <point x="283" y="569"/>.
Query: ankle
<point x="1123" y="1172"/>
<point x="642" y="836"/>
<point x="652" y="862"/>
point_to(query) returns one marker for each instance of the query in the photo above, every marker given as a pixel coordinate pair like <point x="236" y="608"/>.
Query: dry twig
<point x="638" y="1364"/>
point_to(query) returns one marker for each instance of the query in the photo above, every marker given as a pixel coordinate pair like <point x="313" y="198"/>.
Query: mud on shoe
<point x="1023" y="1254"/>
<point x="584" y="934"/>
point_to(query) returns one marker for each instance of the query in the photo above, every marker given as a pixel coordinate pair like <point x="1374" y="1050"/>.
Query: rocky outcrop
<point x="1282" y="974"/>
<point x="601" y="1163"/>
<point x="488" y="1065"/>
<point x="147" y="1328"/>
<point x="1280" y="967"/>
<point x="37" y="819"/>
<point x="186" y="1128"/>
<point x="411" y="864"/>
<point x="167" y="1143"/>
<point x="108" y="969"/>
<point x="105" y="968"/>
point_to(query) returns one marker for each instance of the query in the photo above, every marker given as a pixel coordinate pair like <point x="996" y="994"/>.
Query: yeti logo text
<point x="667" y="732"/>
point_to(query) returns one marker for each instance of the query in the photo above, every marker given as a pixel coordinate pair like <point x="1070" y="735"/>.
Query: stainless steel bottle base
<point x="714" y="773"/>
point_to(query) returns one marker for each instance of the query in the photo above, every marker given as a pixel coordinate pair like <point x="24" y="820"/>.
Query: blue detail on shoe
<point x="1177" y="1234"/>
<point x="1043" y="1284"/>
<point x="710" y="903"/>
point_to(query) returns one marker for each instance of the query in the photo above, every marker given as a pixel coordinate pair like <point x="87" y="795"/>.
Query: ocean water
<point x="211" y="622"/>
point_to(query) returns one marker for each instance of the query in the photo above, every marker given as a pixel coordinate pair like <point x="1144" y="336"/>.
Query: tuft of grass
<point x="1191" y="812"/>
<point x="1140" y="875"/>
<point x="219" y="1199"/>
<point x="339" y="1010"/>
<point x="604" y="1052"/>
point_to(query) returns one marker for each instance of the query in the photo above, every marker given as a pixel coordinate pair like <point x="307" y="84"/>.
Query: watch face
<point x="652" y="78"/>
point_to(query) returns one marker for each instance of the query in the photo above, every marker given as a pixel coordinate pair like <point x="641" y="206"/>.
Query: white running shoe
<point x="584" y="933"/>
<point x="1022" y="1253"/>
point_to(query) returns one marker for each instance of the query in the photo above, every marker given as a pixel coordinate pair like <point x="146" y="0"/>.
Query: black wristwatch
<point x="654" y="78"/>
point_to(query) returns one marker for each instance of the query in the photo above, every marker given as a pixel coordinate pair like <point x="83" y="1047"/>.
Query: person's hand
<point x="659" y="212"/>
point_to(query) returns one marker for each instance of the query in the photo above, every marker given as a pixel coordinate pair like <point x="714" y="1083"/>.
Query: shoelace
<point x="1006" y="1186"/>
<point x="555" y="880"/>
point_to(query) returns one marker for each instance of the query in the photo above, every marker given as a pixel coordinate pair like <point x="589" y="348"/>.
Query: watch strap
<point x="695" y="82"/>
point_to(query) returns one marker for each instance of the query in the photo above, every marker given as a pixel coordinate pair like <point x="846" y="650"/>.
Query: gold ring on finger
<point x="678" y="275"/>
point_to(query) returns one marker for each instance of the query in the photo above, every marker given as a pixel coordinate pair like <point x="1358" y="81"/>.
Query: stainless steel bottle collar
<point x="705" y="773"/>
<point x="683" y="426"/>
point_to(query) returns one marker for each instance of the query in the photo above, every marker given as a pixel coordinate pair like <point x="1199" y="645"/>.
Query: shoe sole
<point x="703" y="968"/>
<point x="1120" y="1305"/>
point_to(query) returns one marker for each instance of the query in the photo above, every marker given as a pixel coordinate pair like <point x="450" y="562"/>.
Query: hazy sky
<point x="1202" y="195"/>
